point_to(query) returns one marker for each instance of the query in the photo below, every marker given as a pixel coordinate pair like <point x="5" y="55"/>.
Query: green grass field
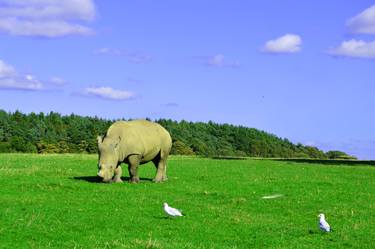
<point x="54" y="201"/>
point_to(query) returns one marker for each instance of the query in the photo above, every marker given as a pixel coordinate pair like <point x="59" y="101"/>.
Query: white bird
<point x="171" y="211"/>
<point x="323" y="224"/>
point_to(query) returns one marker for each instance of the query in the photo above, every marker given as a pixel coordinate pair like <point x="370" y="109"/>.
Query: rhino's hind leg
<point x="159" y="171"/>
<point x="164" y="158"/>
<point x="133" y="168"/>
<point x="118" y="173"/>
<point x="161" y="166"/>
<point x="165" y="177"/>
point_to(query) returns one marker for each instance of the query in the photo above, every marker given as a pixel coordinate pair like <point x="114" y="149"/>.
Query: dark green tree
<point x="54" y="133"/>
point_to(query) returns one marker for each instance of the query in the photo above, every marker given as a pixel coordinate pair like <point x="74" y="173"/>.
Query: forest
<point x="56" y="133"/>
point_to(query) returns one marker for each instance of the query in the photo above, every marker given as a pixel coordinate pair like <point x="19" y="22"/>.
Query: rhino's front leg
<point x="134" y="161"/>
<point x="118" y="173"/>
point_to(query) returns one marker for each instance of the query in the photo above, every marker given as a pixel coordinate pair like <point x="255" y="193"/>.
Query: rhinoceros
<point x="133" y="142"/>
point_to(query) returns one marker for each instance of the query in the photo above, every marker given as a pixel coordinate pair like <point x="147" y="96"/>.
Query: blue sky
<point x="303" y="70"/>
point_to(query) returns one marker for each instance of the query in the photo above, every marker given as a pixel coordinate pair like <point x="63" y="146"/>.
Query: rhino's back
<point x="137" y="128"/>
<point x="141" y="136"/>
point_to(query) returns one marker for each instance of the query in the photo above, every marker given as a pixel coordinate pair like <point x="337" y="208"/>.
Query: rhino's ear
<point x="100" y="140"/>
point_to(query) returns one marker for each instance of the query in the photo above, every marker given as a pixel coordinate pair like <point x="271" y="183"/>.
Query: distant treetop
<point x="54" y="133"/>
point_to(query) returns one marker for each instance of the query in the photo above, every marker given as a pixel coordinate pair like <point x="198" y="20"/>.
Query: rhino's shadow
<point x="96" y="179"/>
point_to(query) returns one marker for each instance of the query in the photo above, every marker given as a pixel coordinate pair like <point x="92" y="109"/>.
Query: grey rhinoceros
<point x="133" y="142"/>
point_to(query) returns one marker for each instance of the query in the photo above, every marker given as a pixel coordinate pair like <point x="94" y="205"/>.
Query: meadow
<point x="55" y="201"/>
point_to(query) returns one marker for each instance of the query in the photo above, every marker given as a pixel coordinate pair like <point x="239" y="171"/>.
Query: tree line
<point x="56" y="133"/>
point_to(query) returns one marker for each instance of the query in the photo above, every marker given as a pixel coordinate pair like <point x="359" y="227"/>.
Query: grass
<point x="53" y="201"/>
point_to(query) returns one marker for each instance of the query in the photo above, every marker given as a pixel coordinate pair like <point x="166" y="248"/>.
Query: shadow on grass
<point x="96" y="179"/>
<point x="162" y="217"/>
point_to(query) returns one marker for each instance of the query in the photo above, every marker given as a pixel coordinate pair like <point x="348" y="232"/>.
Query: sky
<point x="302" y="70"/>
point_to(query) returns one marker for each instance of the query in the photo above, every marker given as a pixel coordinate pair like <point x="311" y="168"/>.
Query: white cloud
<point x="108" y="93"/>
<point x="40" y="28"/>
<point x="355" y="48"/>
<point x="12" y="80"/>
<point x="48" y="9"/>
<point x="46" y="18"/>
<point x="132" y="57"/>
<point x="289" y="43"/>
<point x="217" y="60"/>
<point x="57" y="81"/>
<point x="220" y="61"/>
<point x="364" y="22"/>
<point x="21" y="83"/>
<point x="6" y="70"/>
<point x="109" y="51"/>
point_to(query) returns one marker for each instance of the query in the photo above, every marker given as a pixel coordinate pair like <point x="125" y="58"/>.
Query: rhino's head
<point x="108" y="157"/>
